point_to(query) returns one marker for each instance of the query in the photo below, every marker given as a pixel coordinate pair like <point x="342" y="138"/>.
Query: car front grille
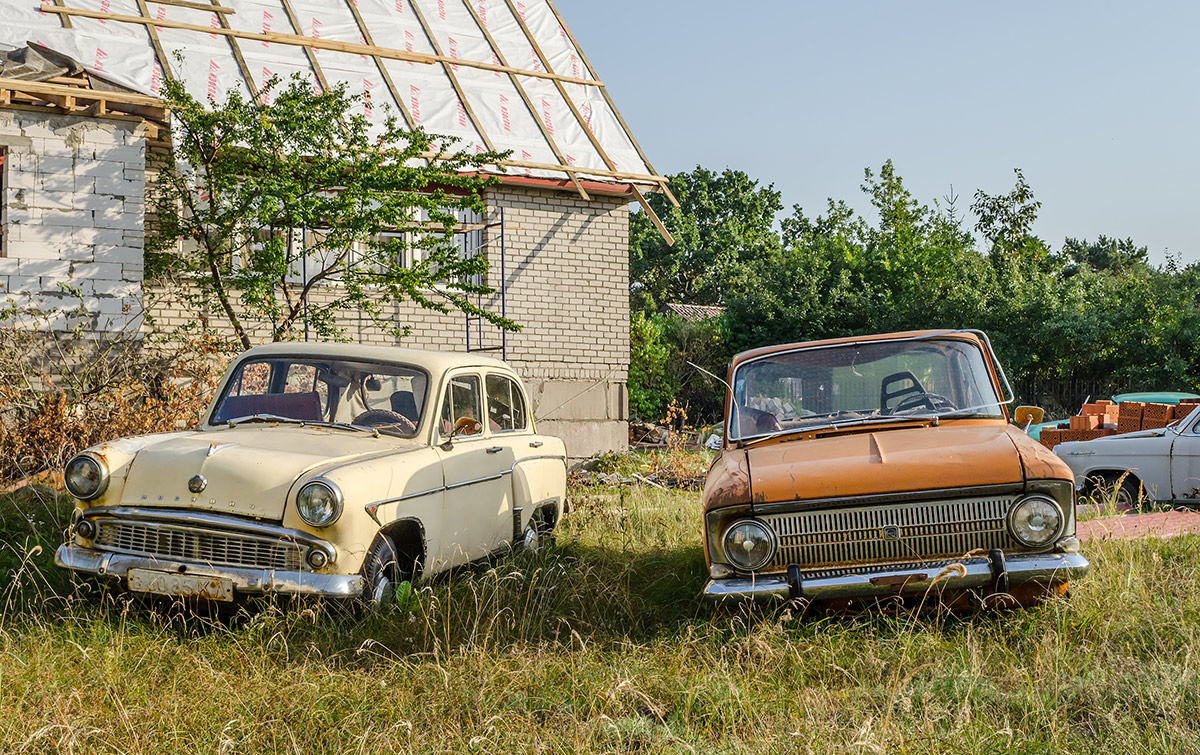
<point x="197" y="544"/>
<point x="921" y="530"/>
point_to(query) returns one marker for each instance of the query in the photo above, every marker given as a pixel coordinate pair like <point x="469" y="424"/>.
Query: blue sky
<point x="1095" y="101"/>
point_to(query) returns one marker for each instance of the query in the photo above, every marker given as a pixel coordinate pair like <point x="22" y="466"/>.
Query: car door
<point x="511" y="431"/>
<point x="477" y="507"/>
<point x="1185" y="458"/>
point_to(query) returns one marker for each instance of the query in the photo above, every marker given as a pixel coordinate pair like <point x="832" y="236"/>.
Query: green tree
<point x="1114" y="255"/>
<point x="260" y="203"/>
<point x="724" y="219"/>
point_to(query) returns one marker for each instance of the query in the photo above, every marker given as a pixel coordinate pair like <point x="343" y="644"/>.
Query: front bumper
<point x="245" y="581"/>
<point x="976" y="573"/>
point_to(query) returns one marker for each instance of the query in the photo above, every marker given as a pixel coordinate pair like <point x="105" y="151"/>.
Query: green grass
<point x="600" y="645"/>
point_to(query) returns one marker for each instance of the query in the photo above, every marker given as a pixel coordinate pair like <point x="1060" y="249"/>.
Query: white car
<point x="321" y="469"/>
<point x="1160" y="465"/>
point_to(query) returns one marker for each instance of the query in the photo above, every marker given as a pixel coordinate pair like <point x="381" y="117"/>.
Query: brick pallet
<point x="1103" y="418"/>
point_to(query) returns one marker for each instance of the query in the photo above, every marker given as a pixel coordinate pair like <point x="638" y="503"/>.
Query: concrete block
<point x="112" y="288"/>
<point x="97" y="202"/>
<point x="119" y="254"/>
<point x="100" y="168"/>
<point x="54" y="164"/>
<point x="72" y="218"/>
<point x="61" y="182"/>
<point x="24" y="284"/>
<point x="118" y="186"/>
<point x="96" y="271"/>
<point x="56" y="269"/>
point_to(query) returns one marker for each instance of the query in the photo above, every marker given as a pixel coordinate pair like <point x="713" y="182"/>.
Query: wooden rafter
<point x="662" y="229"/>
<point x="155" y="42"/>
<point x="237" y="53"/>
<point x="214" y="8"/>
<point x="297" y="40"/>
<point x="516" y="82"/>
<point x="387" y="77"/>
<point x="448" y="67"/>
<point x="608" y="99"/>
<point x="308" y="50"/>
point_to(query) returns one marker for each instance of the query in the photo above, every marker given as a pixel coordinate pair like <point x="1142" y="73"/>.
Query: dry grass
<point x="598" y="646"/>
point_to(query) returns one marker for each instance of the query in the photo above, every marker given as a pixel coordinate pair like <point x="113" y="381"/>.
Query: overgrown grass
<point x="601" y="645"/>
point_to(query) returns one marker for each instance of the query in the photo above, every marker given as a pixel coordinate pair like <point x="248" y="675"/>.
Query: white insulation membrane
<point x="206" y="63"/>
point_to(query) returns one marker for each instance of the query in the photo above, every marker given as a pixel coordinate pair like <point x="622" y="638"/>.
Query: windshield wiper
<point x="935" y="416"/>
<point x="263" y="418"/>
<point x="302" y="423"/>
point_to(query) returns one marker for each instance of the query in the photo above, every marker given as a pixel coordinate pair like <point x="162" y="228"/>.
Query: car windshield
<point x="387" y="397"/>
<point x="861" y="382"/>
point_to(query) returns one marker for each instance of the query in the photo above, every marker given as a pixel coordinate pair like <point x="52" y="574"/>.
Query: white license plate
<point x="181" y="585"/>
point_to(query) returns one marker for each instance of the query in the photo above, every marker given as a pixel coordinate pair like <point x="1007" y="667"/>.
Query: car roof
<point x="430" y="359"/>
<point x="967" y="335"/>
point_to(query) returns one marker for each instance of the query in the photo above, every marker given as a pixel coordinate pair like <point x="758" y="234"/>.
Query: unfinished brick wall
<point x="567" y="275"/>
<point x="73" y="209"/>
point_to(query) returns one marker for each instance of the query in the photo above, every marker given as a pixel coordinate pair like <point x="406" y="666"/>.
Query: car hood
<point x="887" y="461"/>
<point x="249" y="470"/>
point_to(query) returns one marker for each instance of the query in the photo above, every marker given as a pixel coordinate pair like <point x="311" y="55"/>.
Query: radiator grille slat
<point x="192" y="544"/>
<point x="891" y="532"/>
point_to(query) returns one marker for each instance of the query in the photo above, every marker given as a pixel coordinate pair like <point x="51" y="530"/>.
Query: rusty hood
<point x="885" y="461"/>
<point x="248" y="470"/>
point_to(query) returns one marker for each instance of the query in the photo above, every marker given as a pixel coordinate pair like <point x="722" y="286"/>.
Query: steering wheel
<point x="931" y="401"/>
<point x="382" y="417"/>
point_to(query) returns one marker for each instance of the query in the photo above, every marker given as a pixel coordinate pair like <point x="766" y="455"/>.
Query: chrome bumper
<point x="976" y="573"/>
<point x="255" y="581"/>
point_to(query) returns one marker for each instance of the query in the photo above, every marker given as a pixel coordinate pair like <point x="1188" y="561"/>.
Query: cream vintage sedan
<point x="321" y="469"/>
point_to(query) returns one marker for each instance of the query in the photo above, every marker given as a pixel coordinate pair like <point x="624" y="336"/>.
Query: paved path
<point x="1162" y="525"/>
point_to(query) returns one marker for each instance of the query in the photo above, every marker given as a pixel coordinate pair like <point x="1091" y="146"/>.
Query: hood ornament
<point x="214" y="447"/>
<point x="197" y="484"/>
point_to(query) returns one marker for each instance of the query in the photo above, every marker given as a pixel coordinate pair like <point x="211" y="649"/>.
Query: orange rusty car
<point x="880" y="466"/>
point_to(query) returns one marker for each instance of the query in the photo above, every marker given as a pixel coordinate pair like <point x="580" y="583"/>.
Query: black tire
<point x="381" y="572"/>
<point x="1126" y="492"/>
<point x="539" y="534"/>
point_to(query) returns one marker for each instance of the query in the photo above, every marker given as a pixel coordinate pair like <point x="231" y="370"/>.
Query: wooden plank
<point x="34" y="87"/>
<point x="237" y="55"/>
<point x="562" y="91"/>
<point x="662" y="229"/>
<point x="297" y="40"/>
<point x="156" y="43"/>
<point x="308" y="51"/>
<point x="214" y="8"/>
<point x="66" y="22"/>
<point x="449" y="69"/>
<point x="516" y="82"/>
<point x="608" y="99"/>
<point x="387" y="77"/>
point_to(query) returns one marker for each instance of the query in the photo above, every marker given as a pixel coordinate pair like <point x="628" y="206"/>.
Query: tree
<point x="723" y="220"/>
<point x="1006" y="221"/>
<point x="1114" y="255"/>
<point x="261" y="202"/>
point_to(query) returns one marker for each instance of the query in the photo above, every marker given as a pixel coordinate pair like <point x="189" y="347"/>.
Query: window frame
<point x="514" y="387"/>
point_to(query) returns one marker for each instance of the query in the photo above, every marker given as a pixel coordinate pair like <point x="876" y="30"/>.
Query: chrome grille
<point x="891" y="532"/>
<point x="196" y="544"/>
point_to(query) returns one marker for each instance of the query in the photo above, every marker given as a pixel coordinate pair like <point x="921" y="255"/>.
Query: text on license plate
<point x="182" y="585"/>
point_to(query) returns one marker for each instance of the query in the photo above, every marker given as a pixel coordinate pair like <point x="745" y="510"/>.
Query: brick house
<point x="77" y="118"/>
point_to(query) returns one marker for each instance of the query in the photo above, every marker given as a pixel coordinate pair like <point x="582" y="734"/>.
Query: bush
<point x="62" y="391"/>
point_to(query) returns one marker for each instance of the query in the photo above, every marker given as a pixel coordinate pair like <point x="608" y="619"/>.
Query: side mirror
<point x="1024" y="416"/>
<point x="464" y="426"/>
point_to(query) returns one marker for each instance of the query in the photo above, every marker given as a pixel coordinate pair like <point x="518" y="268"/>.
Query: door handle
<point x="535" y="444"/>
<point x="495" y="450"/>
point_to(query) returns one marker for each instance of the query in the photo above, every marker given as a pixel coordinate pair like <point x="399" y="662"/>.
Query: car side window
<point x="506" y="405"/>
<point x="463" y="399"/>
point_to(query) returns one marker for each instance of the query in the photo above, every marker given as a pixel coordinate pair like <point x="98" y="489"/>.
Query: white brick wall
<point x="72" y="216"/>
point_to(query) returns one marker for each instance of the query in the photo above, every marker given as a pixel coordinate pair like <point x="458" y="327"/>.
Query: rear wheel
<point x="1125" y="491"/>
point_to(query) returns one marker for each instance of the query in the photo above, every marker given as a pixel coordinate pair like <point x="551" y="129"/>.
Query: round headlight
<point x="319" y="503"/>
<point x="1036" y="521"/>
<point x="749" y="544"/>
<point x="86" y="477"/>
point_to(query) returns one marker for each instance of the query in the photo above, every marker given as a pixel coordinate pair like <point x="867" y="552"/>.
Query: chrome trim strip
<point x="371" y="508"/>
<point x="976" y="573"/>
<point x="193" y="518"/>
<point x="246" y="580"/>
<point x="884" y="498"/>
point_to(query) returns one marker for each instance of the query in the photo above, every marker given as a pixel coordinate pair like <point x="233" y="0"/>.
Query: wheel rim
<point x="1124" y="499"/>
<point x="532" y="539"/>
<point x="381" y="590"/>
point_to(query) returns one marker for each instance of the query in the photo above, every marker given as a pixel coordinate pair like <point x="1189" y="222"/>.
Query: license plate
<point x="181" y="585"/>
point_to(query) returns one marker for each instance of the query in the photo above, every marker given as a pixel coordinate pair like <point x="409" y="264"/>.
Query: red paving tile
<point x="1161" y="525"/>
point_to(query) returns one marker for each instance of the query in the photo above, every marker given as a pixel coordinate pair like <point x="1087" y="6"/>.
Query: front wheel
<point x="380" y="571"/>
<point x="538" y="535"/>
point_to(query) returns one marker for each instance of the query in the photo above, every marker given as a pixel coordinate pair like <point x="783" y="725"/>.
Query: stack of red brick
<point x="1106" y="418"/>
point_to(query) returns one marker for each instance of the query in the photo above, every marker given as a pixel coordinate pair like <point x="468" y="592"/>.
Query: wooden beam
<point x="516" y="82"/>
<point x="297" y="40"/>
<point x="35" y="87"/>
<point x="387" y="77"/>
<point x="608" y="99"/>
<point x="662" y="229"/>
<point x="156" y="43"/>
<point x="66" y="22"/>
<point x="449" y="69"/>
<point x="214" y="8"/>
<point x="312" y="56"/>
<point x="237" y="54"/>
